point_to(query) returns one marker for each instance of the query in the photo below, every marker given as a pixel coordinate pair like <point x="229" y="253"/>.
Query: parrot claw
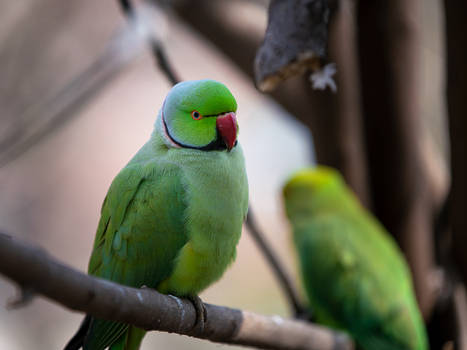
<point x="25" y="297"/>
<point x="201" y="313"/>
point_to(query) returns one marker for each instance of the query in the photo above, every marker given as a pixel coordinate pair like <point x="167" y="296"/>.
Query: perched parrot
<point x="354" y="274"/>
<point x="173" y="216"/>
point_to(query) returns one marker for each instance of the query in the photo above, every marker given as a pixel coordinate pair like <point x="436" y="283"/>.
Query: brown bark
<point x="295" y="41"/>
<point x="35" y="271"/>
<point x="389" y="39"/>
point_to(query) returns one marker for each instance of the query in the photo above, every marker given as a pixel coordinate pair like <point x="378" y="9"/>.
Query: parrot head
<point x="200" y="114"/>
<point x="308" y="189"/>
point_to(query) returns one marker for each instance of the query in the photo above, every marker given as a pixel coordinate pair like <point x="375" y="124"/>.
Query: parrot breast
<point x="217" y="201"/>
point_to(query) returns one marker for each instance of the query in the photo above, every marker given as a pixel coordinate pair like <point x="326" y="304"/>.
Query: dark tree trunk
<point x="456" y="27"/>
<point x="335" y="119"/>
<point x="389" y="39"/>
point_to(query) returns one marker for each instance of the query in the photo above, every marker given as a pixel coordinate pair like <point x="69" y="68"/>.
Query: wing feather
<point x="139" y="235"/>
<point x="371" y="289"/>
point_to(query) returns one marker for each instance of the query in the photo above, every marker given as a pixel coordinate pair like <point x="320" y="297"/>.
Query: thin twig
<point x="276" y="266"/>
<point x="33" y="269"/>
<point x="162" y="61"/>
<point x="160" y="57"/>
<point x="54" y="112"/>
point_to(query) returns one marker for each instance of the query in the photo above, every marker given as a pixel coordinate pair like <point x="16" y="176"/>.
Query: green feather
<point x="354" y="274"/>
<point x="141" y="234"/>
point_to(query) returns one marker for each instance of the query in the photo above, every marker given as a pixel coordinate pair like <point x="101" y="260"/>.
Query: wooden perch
<point x="33" y="269"/>
<point x="295" y="41"/>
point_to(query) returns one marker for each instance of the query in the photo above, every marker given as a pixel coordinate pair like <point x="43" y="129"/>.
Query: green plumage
<point x="172" y="217"/>
<point x="354" y="274"/>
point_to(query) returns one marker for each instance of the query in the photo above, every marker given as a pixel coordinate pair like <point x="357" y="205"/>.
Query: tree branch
<point x="48" y="115"/>
<point x="33" y="269"/>
<point x="295" y="41"/>
<point x="157" y="49"/>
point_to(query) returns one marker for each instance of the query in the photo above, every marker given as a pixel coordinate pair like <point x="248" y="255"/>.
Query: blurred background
<point x="79" y="93"/>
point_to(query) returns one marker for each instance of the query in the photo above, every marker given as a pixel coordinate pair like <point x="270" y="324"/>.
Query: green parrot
<point x="354" y="274"/>
<point x="173" y="216"/>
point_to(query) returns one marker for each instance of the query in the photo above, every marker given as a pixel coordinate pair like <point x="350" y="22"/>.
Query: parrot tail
<point x="77" y="341"/>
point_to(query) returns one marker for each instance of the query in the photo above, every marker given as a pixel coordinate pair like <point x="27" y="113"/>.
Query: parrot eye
<point x="196" y="115"/>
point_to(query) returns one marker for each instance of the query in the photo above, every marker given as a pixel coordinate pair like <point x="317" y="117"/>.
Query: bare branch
<point x="295" y="41"/>
<point x="33" y="268"/>
<point x="48" y="115"/>
<point x="158" y="51"/>
<point x="52" y="113"/>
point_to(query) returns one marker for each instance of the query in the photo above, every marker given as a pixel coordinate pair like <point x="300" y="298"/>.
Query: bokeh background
<point x="50" y="195"/>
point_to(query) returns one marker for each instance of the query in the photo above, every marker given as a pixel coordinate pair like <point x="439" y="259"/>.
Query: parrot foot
<point x="200" y="313"/>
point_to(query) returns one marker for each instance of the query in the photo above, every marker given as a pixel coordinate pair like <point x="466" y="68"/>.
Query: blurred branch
<point x="158" y="51"/>
<point x="273" y="261"/>
<point x="402" y="195"/>
<point x="59" y="109"/>
<point x="52" y="113"/>
<point x="33" y="269"/>
<point x="295" y="41"/>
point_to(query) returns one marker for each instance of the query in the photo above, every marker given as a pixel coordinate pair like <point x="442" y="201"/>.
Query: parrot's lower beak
<point x="227" y="126"/>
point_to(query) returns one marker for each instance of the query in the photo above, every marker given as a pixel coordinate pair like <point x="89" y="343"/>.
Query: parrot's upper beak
<point x="227" y="126"/>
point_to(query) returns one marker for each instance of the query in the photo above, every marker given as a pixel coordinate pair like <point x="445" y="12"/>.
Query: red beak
<point x="227" y="126"/>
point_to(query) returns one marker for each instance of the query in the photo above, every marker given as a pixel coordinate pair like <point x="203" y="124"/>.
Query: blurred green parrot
<point x="354" y="274"/>
<point x="173" y="216"/>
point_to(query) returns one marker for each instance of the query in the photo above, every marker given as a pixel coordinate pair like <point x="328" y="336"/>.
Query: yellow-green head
<point x="312" y="189"/>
